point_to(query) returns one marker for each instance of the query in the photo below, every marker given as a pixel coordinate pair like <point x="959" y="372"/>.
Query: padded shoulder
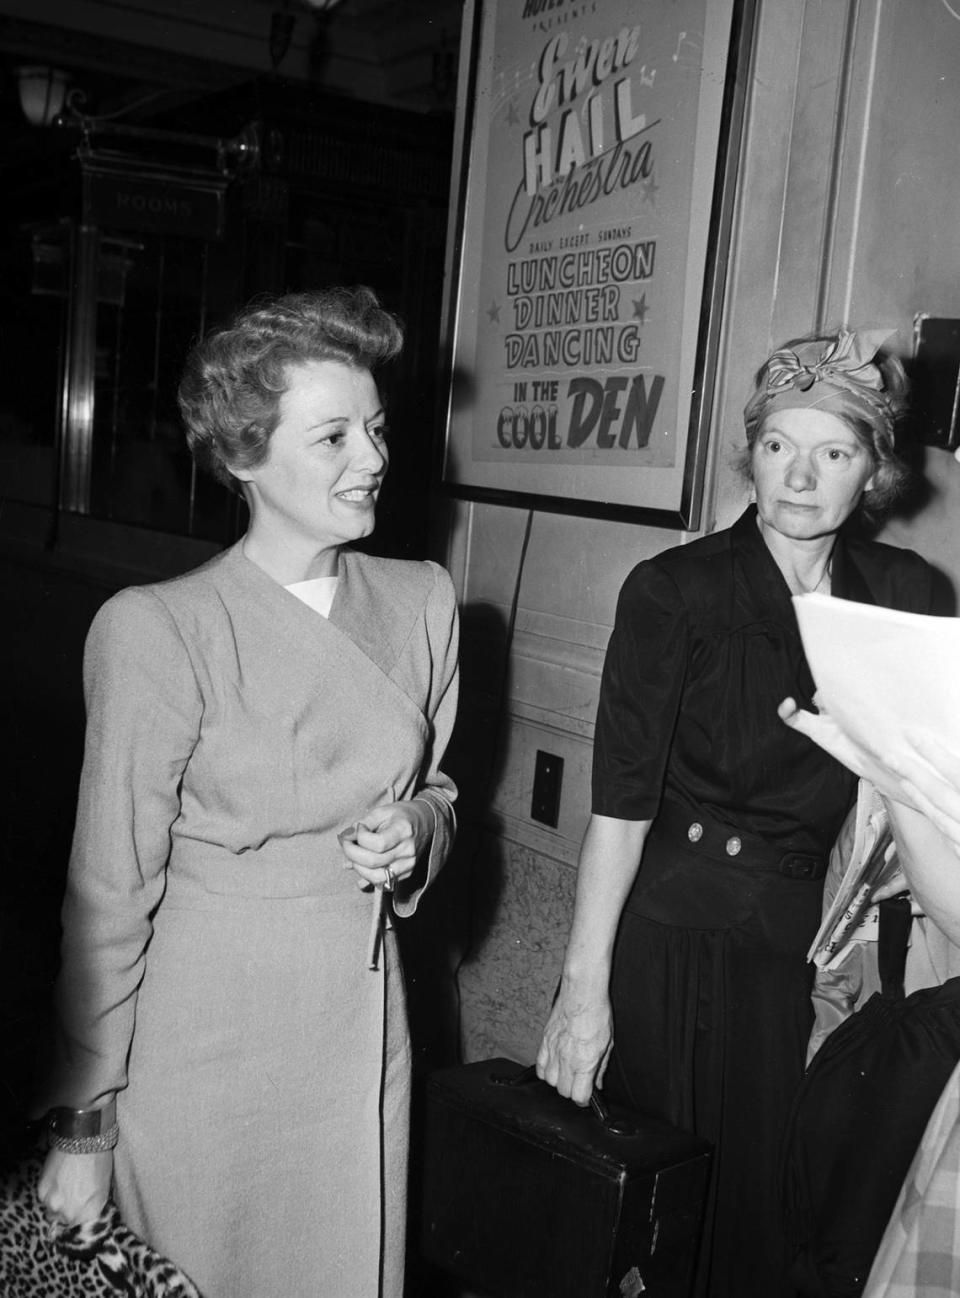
<point x="410" y="576"/>
<point x="701" y="573"/>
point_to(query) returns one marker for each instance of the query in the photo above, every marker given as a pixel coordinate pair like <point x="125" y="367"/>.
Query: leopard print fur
<point x="99" y="1259"/>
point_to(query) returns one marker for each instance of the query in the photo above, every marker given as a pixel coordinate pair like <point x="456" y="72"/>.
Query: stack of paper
<point x="880" y="673"/>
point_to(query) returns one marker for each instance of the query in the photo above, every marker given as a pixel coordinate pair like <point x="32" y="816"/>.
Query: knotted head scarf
<point x="841" y="374"/>
<point x="845" y="374"/>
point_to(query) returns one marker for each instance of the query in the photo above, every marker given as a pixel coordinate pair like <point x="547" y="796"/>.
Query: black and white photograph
<point x="480" y="560"/>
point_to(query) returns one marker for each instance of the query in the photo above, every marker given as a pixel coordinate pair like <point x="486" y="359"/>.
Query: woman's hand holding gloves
<point x="391" y="836"/>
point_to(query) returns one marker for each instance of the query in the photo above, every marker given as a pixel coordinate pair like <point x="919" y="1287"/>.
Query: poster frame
<point x="722" y="168"/>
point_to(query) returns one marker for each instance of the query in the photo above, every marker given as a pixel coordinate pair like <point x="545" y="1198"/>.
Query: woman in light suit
<point x="261" y="796"/>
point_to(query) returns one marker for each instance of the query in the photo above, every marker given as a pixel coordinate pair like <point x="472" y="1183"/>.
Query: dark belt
<point x="697" y="832"/>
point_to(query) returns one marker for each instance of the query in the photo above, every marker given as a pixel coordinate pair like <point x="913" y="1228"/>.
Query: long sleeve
<point x="436" y="788"/>
<point x="143" y="716"/>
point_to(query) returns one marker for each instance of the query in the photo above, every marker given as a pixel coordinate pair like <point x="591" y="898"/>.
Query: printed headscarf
<point x="841" y="377"/>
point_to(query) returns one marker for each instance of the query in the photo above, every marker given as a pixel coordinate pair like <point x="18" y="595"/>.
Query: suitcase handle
<point x="528" y="1074"/>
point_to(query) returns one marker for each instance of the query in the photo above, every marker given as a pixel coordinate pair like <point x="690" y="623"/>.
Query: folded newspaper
<point x="871" y="861"/>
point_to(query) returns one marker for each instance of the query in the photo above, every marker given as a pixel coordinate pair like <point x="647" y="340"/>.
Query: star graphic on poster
<point x="640" y="308"/>
<point x="513" y="117"/>
<point x="650" y="188"/>
<point x="493" y="312"/>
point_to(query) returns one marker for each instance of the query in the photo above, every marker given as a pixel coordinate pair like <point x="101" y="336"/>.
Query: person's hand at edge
<point x="576" y="1045"/>
<point x="930" y="778"/>
<point x="882" y="770"/>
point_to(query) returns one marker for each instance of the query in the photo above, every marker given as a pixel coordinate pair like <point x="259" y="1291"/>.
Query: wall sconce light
<point x="43" y="92"/>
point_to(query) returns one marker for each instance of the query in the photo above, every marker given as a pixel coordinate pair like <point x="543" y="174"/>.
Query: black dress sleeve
<point x="643" y="678"/>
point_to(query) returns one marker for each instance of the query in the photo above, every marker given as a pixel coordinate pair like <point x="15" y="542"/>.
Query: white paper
<point x="881" y="673"/>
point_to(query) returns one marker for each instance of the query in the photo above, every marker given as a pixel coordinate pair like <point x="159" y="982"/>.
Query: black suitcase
<point x="526" y="1195"/>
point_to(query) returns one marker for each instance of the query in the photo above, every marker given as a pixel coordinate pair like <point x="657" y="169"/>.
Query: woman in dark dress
<point x="685" y="987"/>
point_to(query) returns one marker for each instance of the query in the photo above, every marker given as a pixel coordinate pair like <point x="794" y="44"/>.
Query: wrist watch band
<point x="82" y="1124"/>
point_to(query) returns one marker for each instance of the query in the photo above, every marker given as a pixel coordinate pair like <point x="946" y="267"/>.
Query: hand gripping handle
<point x="528" y="1074"/>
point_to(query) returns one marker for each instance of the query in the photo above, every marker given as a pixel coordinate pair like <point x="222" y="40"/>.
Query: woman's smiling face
<point x="809" y="471"/>
<point x="326" y="458"/>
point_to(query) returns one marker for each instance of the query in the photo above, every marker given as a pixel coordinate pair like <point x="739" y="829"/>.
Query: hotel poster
<point x="595" y="173"/>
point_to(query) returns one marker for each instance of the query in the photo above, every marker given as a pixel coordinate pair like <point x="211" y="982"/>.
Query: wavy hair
<point x="234" y="377"/>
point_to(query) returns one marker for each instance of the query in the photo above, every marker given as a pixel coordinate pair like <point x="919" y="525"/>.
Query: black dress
<point x="710" y="986"/>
